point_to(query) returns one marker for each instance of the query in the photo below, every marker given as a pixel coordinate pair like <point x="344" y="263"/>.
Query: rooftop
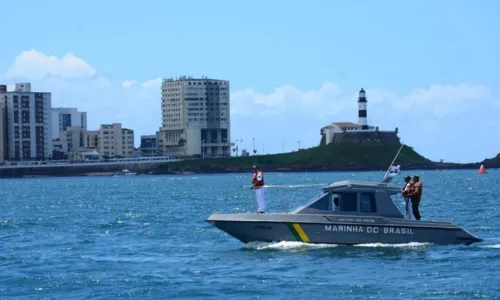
<point x="189" y="78"/>
<point x="361" y="185"/>
<point x="346" y="124"/>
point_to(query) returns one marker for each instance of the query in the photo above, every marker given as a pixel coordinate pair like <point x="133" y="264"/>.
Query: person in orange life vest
<point x="258" y="186"/>
<point x="415" y="195"/>
<point x="406" y="191"/>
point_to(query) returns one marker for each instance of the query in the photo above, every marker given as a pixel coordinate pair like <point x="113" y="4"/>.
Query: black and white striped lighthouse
<point x="362" y="117"/>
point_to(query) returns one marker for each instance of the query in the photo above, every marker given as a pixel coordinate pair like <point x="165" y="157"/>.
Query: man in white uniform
<point x="258" y="186"/>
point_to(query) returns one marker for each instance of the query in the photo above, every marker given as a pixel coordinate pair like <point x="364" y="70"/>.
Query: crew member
<point x="406" y="191"/>
<point x="416" y="195"/>
<point x="336" y="203"/>
<point x="258" y="186"/>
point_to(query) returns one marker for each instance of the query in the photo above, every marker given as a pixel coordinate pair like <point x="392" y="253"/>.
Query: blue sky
<point x="430" y="68"/>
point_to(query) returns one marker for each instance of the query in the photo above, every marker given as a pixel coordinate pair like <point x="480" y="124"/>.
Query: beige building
<point x="91" y="139"/>
<point x="70" y="142"/>
<point x="74" y="136"/>
<point x="115" y="141"/>
<point x="195" y="117"/>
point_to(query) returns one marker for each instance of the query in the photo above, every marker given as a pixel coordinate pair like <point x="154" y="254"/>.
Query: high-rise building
<point x="196" y="118"/>
<point x="115" y="141"/>
<point x="29" y="132"/>
<point x="63" y="118"/>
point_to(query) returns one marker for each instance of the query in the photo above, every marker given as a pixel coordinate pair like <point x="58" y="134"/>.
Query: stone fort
<point x="347" y="132"/>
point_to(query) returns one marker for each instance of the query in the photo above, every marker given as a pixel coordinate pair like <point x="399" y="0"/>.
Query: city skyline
<point x="434" y="79"/>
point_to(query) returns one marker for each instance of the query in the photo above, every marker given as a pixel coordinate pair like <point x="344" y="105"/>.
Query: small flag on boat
<point x="395" y="169"/>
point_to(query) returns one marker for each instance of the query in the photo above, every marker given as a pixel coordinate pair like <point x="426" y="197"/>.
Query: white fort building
<point x="361" y="132"/>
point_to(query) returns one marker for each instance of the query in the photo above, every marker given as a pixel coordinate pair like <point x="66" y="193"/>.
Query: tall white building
<point x="63" y="118"/>
<point x="195" y="117"/>
<point x="29" y="128"/>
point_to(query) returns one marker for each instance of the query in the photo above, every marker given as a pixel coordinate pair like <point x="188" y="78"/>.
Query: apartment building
<point x="195" y="117"/>
<point x="29" y="126"/>
<point x="63" y="118"/>
<point x="115" y="141"/>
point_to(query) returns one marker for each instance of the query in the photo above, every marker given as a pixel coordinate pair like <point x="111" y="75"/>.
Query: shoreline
<point x="168" y="169"/>
<point x="348" y="157"/>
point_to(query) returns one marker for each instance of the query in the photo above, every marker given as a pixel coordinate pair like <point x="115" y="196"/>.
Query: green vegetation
<point x="360" y="156"/>
<point x="492" y="162"/>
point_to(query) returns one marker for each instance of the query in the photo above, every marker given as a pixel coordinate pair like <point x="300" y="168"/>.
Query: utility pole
<point x="237" y="146"/>
<point x="253" y="146"/>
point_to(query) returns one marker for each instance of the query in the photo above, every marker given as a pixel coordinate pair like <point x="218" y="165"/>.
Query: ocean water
<point x="145" y="237"/>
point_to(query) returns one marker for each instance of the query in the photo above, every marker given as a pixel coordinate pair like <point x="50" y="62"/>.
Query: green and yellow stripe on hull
<point x="298" y="232"/>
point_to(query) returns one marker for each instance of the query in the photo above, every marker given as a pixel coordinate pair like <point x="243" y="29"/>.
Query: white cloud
<point x="453" y="122"/>
<point x="328" y="99"/>
<point x="37" y="65"/>
<point x="128" y="83"/>
<point x="153" y="83"/>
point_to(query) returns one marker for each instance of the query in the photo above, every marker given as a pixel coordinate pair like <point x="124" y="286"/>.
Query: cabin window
<point x="322" y="203"/>
<point x="367" y="203"/>
<point x="335" y="202"/>
<point x="348" y="202"/>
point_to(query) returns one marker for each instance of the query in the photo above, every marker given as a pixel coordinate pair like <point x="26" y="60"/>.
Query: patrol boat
<point x="365" y="214"/>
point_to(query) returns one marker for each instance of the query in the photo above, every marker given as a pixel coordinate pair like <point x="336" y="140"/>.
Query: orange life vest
<point x="417" y="188"/>
<point x="258" y="179"/>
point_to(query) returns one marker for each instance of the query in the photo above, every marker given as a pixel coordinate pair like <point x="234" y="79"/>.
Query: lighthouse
<point x="362" y="110"/>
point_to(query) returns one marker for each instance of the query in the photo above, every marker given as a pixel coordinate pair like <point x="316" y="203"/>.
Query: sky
<point x="430" y="68"/>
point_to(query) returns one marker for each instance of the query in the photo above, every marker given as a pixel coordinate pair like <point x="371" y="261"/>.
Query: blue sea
<point x="145" y="237"/>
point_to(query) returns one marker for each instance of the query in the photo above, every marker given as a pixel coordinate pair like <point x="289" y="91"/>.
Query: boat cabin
<point x="355" y="198"/>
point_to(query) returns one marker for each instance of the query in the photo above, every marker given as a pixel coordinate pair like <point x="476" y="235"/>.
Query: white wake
<point x="284" y="245"/>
